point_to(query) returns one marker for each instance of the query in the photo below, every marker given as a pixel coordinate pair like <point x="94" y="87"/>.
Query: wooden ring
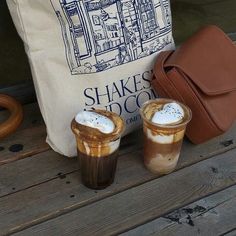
<point x="16" y="115"/>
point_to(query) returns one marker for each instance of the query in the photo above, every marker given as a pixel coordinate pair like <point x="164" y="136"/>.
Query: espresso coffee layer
<point x="97" y="172"/>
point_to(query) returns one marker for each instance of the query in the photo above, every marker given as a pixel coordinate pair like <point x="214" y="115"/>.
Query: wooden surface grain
<point x="231" y="232"/>
<point x="213" y="215"/>
<point x="32" y="116"/>
<point x="220" y="219"/>
<point x="42" y="177"/>
<point x="30" y="136"/>
<point x="23" y="144"/>
<point x="41" y="192"/>
<point x="143" y="203"/>
<point x="29" y="179"/>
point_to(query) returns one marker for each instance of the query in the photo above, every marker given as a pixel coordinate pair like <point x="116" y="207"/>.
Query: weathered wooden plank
<point x="32" y="116"/>
<point x="45" y="166"/>
<point x="23" y="144"/>
<point x="37" y="144"/>
<point x="33" y="144"/>
<point x="190" y="154"/>
<point x="130" y="173"/>
<point x="34" y="177"/>
<point x="200" y="152"/>
<point x="63" y="194"/>
<point x="24" y="174"/>
<point x="29" y="139"/>
<point x="231" y="232"/>
<point x="31" y="136"/>
<point x="217" y="221"/>
<point x="141" y="204"/>
<point x="213" y="215"/>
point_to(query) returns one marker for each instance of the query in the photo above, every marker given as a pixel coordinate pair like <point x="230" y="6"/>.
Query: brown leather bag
<point x="202" y="74"/>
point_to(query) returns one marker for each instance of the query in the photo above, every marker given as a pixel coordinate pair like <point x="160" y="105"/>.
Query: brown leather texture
<point x="201" y="74"/>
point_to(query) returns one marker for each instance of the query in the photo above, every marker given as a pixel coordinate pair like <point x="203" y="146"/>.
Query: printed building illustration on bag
<point x="101" y="34"/>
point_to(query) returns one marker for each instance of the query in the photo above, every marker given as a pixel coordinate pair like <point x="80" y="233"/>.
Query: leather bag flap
<point x="209" y="60"/>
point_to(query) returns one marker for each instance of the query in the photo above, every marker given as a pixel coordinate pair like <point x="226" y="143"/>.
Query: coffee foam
<point x="96" y="121"/>
<point x="171" y="113"/>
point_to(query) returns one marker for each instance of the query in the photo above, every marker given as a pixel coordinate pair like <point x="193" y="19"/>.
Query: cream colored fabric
<point x="91" y="54"/>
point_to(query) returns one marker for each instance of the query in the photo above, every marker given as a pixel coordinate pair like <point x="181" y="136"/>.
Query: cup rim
<point x="168" y="125"/>
<point x="116" y="135"/>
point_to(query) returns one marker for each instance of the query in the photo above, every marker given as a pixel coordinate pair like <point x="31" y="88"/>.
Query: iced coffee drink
<point x="98" y="135"/>
<point x="164" y="124"/>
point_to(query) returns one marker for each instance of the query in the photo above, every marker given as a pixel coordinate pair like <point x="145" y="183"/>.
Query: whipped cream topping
<point x="96" y="121"/>
<point x="170" y="113"/>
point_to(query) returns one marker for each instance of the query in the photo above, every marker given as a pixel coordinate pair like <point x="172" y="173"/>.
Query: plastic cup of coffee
<point x="98" y="134"/>
<point x="164" y="124"/>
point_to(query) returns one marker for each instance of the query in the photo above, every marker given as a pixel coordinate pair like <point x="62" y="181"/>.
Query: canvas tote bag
<point x="87" y="54"/>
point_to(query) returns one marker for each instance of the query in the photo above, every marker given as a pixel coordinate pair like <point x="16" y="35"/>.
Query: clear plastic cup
<point x="162" y="143"/>
<point x="97" y="151"/>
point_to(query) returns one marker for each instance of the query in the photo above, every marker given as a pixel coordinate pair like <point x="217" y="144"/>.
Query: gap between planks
<point x="31" y="136"/>
<point x="115" y="214"/>
<point x="133" y="168"/>
<point x="55" y="163"/>
<point x="196" y="152"/>
<point x="214" y="147"/>
<point x="208" y="216"/>
<point x="231" y="232"/>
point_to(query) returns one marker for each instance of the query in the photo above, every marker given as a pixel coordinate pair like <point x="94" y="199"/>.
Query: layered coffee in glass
<point x="164" y="125"/>
<point x="98" y="135"/>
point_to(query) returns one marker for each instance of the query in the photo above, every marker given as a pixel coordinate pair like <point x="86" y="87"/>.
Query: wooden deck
<point x="41" y="192"/>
